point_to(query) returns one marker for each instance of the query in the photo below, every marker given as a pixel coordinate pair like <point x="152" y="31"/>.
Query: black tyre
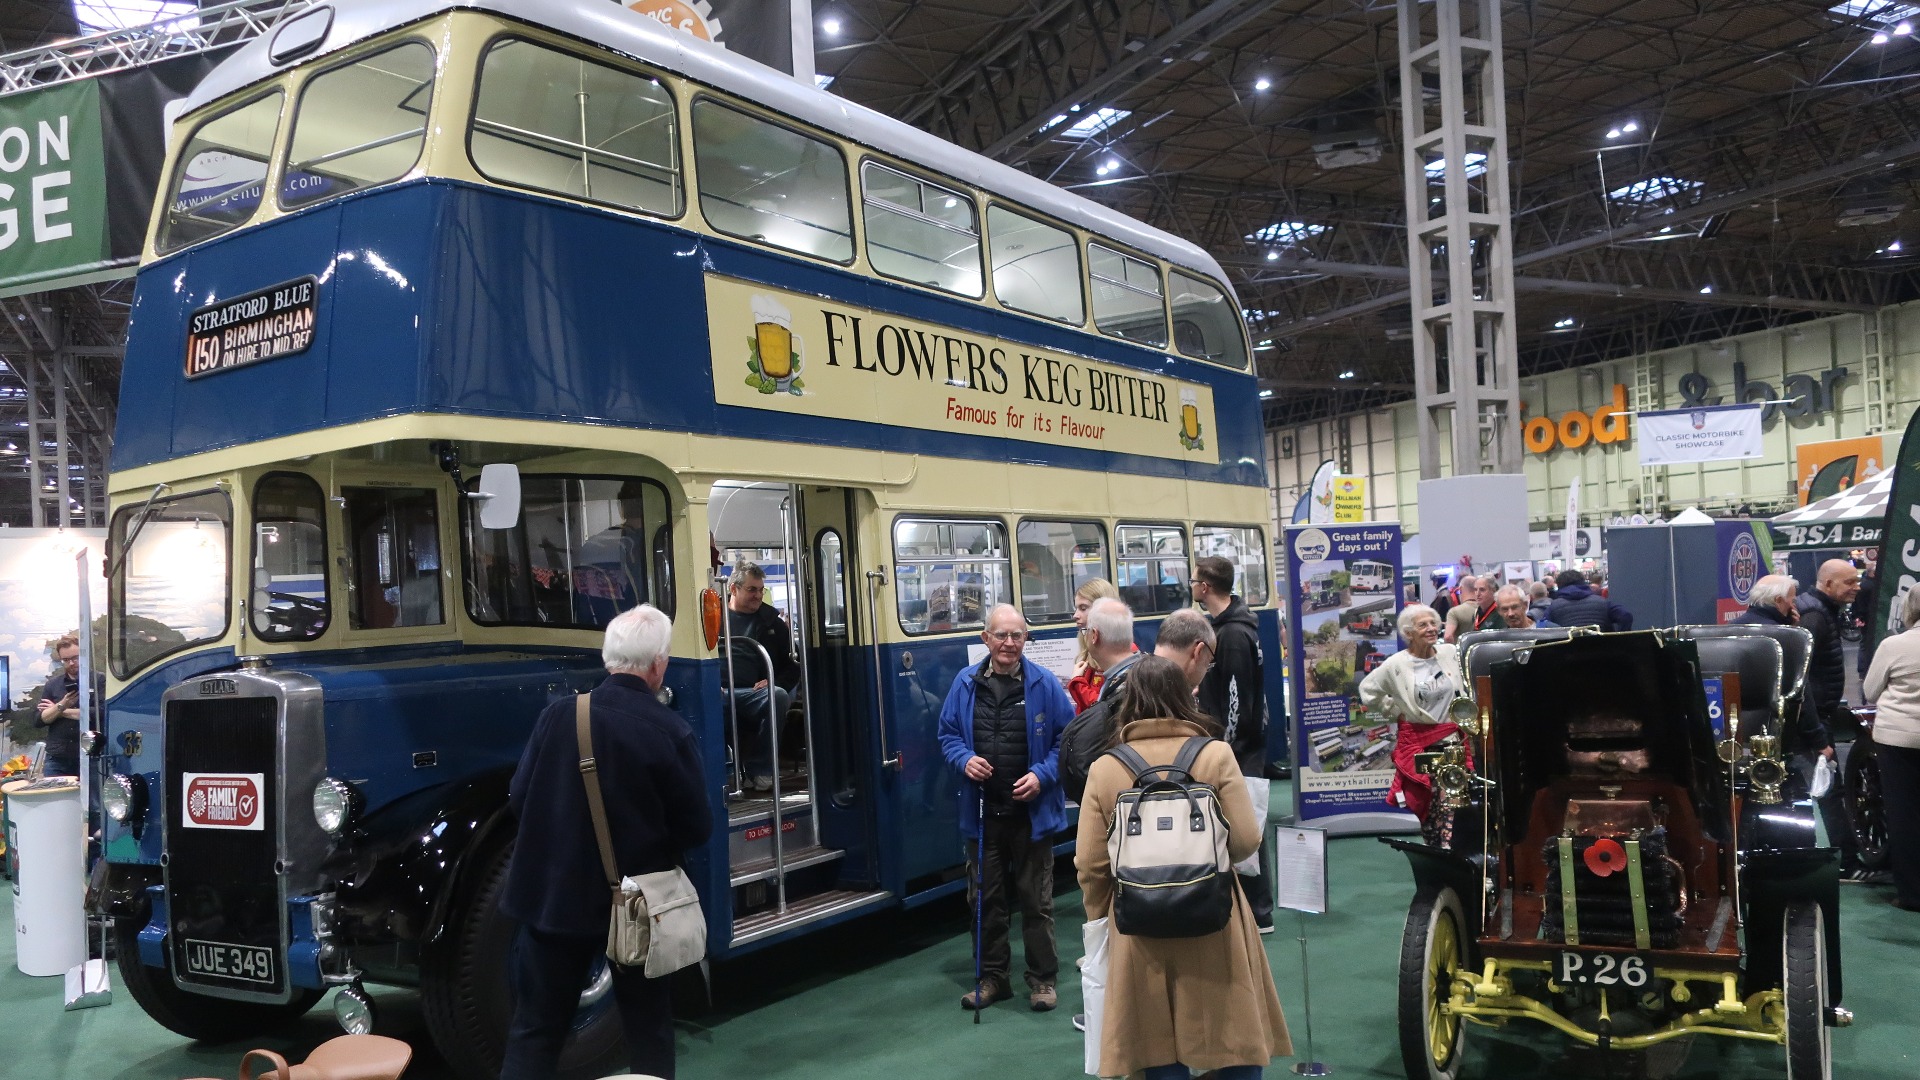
<point x="467" y="1002"/>
<point x="196" y="1016"/>
<point x="1866" y="807"/>
<point x="1432" y="950"/>
<point x="1804" y="972"/>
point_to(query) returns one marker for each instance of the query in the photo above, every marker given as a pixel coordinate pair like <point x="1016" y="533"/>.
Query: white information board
<point x="1300" y="869"/>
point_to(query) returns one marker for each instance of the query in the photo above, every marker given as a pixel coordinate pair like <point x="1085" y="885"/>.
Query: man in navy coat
<point x="657" y="809"/>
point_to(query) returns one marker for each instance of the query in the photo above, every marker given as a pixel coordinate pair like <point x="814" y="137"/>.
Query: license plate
<point x="220" y="960"/>
<point x="1602" y="969"/>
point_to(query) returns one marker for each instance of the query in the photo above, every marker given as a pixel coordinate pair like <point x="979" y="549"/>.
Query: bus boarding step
<point x="811" y="909"/>
<point x="797" y="859"/>
<point x="748" y="811"/>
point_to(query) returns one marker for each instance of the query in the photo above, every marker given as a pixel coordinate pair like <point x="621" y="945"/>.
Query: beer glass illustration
<point x="773" y="334"/>
<point x="1190" y="419"/>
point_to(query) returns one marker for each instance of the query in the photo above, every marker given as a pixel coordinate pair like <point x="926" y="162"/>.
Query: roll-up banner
<point x="1900" y="551"/>
<point x="79" y="167"/>
<point x="1320" y="494"/>
<point x="1342" y="603"/>
<point x="1708" y="433"/>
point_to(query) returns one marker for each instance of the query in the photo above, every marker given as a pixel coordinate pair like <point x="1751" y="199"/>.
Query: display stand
<point x="1299" y="876"/>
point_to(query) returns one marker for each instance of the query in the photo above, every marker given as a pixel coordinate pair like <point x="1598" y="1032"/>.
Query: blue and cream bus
<point x="464" y="326"/>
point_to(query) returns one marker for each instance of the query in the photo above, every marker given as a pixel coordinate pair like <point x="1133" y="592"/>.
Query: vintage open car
<point x="1624" y="859"/>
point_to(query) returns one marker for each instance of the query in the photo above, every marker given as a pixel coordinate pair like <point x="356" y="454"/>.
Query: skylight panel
<point x="1476" y="166"/>
<point x="1884" y="12"/>
<point x="1655" y="189"/>
<point x="1286" y="232"/>
<point x="1094" y="122"/>
<point x="821" y="82"/>
<point x="99" y="16"/>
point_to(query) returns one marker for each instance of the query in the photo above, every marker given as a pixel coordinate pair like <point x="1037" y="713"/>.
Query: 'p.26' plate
<point x="1602" y="969"/>
<point x="249" y="963"/>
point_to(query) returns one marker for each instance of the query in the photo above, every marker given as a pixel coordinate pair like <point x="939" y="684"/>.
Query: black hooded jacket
<point x="1827" y="665"/>
<point x="1233" y="692"/>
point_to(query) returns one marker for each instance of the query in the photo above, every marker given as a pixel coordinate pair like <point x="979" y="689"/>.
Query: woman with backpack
<point x="1175" y="1005"/>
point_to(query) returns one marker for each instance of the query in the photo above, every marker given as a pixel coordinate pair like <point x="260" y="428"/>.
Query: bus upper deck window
<point x="771" y="184"/>
<point x="1036" y="266"/>
<point x="920" y="231"/>
<point x="554" y="122"/>
<point x="1242" y="546"/>
<point x="289" y="574"/>
<point x="1151" y="569"/>
<point x="218" y="177"/>
<point x="393" y="540"/>
<point x="585" y="549"/>
<point x="1126" y="296"/>
<point x="1205" y="323"/>
<point x="359" y="125"/>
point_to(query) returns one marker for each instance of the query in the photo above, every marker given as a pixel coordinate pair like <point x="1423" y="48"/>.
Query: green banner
<point x="53" y="189"/>
<point x="1900" y="550"/>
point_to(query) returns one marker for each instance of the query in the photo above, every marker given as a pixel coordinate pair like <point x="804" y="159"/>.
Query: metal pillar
<point x="1454" y="123"/>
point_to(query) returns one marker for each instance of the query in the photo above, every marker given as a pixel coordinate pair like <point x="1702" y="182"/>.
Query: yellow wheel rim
<point x="1443" y="960"/>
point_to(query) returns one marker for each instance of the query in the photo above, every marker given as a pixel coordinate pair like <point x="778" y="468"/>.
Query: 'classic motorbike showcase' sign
<point x="263" y="325"/>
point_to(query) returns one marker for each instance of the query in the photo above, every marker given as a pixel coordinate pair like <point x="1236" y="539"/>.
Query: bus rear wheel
<point x="196" y="1016"/>
<point x="466" y="1000"/>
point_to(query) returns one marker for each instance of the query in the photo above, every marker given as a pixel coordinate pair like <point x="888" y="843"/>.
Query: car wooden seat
<point x="348" y="1057"/>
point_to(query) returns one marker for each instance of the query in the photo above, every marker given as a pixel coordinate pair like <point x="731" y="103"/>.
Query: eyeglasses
<point x="1211" y="655"/>
<point x="1007" y="635"/>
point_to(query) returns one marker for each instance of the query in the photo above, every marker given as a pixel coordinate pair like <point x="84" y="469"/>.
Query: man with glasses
<point x="1234" y="693"/>
<point x="1000" y="728"/>
<point x="59" y="711"/>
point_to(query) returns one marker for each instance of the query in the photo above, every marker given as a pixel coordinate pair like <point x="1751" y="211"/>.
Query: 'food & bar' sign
<point x="264" y="325"/>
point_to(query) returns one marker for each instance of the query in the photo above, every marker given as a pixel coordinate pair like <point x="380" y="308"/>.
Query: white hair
<point x="1404" y="623"/>
<point x="636" y="639"/>
<point x="1112" y="619"/>
<point x="1514" y="591"/>
<point x="1770" y="590"/>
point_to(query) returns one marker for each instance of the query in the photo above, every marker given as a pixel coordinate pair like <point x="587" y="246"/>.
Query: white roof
<point x="613" y="26"/>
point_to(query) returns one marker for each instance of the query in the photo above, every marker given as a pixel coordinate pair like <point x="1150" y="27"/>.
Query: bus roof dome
<point x="611" y="25"/>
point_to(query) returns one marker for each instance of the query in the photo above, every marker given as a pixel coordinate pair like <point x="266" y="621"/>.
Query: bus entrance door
<point x="813" y="864"/>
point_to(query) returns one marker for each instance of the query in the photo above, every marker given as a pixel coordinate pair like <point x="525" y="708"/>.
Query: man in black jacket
<point x="1234" y="694"/>
<point x="1773" y="601"/>
<point x="751" y="619"/>
<point x="58" y="712"/>
<point x="1820" y="614"/>
<point x="1576" y="604"/>
<point x="1110" y="644"/>
<point x="557" y="890"/>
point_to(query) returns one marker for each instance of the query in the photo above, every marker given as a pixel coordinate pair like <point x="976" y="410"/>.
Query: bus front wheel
<point x="466" y="999"/>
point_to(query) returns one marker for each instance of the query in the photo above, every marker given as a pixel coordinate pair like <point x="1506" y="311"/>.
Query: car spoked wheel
<point x="1432" y="951"/>
<point x="1866" y="810"/>
<point x="1803" y="964"/>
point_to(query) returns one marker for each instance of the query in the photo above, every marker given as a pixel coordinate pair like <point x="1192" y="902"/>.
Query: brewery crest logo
<point x="774" y="352"/>
<point x="1190" y="430"/>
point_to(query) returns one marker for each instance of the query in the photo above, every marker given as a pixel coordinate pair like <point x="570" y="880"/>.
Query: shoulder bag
<point x="657" y="923"/>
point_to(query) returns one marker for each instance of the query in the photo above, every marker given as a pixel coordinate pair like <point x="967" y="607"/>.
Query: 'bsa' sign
<point x="223" y="801"/>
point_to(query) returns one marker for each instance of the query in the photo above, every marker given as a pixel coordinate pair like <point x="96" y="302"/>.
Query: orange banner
<point x="1821" y="469"/>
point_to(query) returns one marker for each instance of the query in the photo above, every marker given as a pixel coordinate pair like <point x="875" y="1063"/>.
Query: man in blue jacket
<point x="1000" y="727"/>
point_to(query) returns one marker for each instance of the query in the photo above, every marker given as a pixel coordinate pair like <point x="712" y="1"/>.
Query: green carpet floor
<point x="878" y="1000"/>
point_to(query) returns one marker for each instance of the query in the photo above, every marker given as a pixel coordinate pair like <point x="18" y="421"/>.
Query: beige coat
<point x="1224" y="1007"/>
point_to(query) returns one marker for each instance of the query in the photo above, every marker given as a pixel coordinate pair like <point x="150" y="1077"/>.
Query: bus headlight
<point x="122" y="797"/>
<point x="333" y="804"/>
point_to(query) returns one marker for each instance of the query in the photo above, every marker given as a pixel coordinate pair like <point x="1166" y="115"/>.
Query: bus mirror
<point x="499" y="496"/>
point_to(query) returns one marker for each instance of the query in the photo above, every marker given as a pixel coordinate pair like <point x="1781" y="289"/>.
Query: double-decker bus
<point x="464" y="326"/>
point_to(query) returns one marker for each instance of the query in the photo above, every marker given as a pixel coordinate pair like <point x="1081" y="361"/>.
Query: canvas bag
<point x="1167" y="844"/>
<point x="657" y="922"/>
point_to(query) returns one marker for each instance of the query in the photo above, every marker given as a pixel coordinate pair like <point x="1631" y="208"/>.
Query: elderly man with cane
<point x="1000" y="729"/>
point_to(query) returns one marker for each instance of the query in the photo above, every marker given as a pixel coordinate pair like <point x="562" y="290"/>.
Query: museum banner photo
<point x="1342" y="603"/>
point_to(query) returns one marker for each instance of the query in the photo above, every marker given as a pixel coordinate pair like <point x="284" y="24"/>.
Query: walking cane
<point x="979" y="898"/>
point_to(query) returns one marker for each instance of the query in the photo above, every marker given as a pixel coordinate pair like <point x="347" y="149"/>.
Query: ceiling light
<point x="1895" y="246"/>
<point x="1614" y="134"/>
<point x="831" y="25"/>
<point x="1266" y="394"/>
<point x="1564" y="324"/>
<point x="1630" y="127"/>
<point x="1100" y="170"/>
<point x="1272" y="256"/>
<point x="1705" y="289"/>
<point x="1263" y="83"/>
<point x="1347" y="374"/>
<point x="1113" y="165"/>
<point x="1880" y="39"/>
<point x="1903" y="29"/>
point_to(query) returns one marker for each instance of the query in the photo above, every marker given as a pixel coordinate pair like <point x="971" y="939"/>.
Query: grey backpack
<point x="1167" y="844"/>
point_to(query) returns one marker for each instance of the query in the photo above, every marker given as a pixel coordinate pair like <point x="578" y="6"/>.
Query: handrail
<point x="875" y="579"/>
<point x="733" y="714"/>
<point x="773" y="748"/>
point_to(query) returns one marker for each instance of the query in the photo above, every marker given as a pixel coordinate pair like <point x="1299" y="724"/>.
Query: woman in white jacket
<point x="1414" y="687"/>
<point x="1893" y="684"/>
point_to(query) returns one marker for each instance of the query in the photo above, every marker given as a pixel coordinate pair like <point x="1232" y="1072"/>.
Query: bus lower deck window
<point x="289" y="573"/>
<point x="585" y="549"/>
<point x="393" y="538"/>
<point x="1056" y="558"/>
<point x="1246" y="549"/>
<point x="1150" y="568"/>
<point x="949" y="574"/>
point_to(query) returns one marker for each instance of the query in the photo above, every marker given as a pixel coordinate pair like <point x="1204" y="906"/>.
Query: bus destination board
<point x="262" y="325"/>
